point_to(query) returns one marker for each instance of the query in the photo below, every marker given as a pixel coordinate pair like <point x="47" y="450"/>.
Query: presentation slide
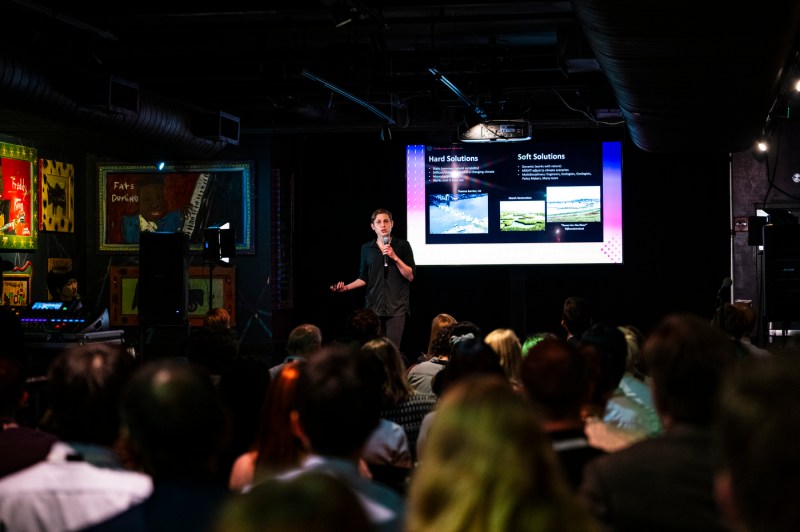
<point x="513" y="203"/>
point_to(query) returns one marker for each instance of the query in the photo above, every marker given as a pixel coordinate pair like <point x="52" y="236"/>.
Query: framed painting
<point x="16" y="289"/>
<point x="186" y="197"/>
<point x="18" y="205"/>
<point x="206" y="291"/>
<point x="56" y="196"/>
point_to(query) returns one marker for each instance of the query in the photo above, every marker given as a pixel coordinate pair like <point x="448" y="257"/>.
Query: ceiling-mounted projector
<point x="497" y="131"/>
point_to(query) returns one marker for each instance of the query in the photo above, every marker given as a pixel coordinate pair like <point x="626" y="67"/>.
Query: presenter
<point x="387" y="269"/>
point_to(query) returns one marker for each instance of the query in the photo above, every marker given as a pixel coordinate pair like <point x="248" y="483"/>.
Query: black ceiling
<point x="659" y="69"/>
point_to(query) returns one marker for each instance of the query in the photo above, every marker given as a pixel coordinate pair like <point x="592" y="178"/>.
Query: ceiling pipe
<point x="157" y="120"/>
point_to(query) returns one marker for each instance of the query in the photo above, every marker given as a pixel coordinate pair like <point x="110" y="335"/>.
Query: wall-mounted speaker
<point x="782" y="273"/>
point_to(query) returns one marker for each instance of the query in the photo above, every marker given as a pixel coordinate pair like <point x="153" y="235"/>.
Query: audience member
<point x="439" y="321"/>
<point x="613" y="420"/>
<point x="312" y="502"/>
<point x="737" y="321"/>
<point x="576" y="317"/>
<point x="554" y="376"/>
<point x="420" y="376"/>
<point x="402" y="403"/>
<point x="387" y="446"/>
<point x="506" y="344"/>
<point x="339" y="401"/>
<point x="756" y="482"/>
<point x="303" y="341"/>
<point x="469" y="356"/>
<point x="664" y="483"/>
<point x="276" y="448"/>
<point x="173" y="428"/>
<point x="750" y="323"/>
<point x="533" y="339"/>
<point x="214" y="345"/>
<point x="82" y="481"/>
<point x="489" y="467"/>
<point x="362" y="325"/>
<point x="243" y="387"/>
<point x="21" y="445"/>
<point x="634" y="386"/>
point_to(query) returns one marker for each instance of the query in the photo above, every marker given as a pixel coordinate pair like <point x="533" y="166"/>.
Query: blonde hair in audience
<point x="489" y="467"/>
<point x="506" y="344"/>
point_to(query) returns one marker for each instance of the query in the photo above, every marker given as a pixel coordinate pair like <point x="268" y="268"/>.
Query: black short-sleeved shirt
<point x="387" y="292"/>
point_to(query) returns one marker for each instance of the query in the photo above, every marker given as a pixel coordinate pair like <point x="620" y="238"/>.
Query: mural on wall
<point x="17" y="286"/>
<point x="18" y="207"/>
<point x="206" y="290"/>
<point x="56" y="196"/>
<point x="188" y="198"/>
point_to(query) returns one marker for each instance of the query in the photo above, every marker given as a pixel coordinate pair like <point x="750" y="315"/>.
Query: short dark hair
<point x="555" y="377"/>
<point x="468" y="357"/>
<point x="757" y="413"/>
<point x="610" y="350"/>
<point x="686" y="357"/>
<point x="303" y="340"/>
<point x="57" y="278"/>
<point x="577" y="315"/>
<point x="339" y="397"/>
<point x="85" y="384"/>
<point x="173" y="412"/>
<point x="376" y="212"/>
<point x="363" y="325"/>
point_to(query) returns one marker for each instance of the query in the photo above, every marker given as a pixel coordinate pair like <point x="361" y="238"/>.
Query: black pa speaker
<point x="163" y="290"/>
<point x="782" y="272"/>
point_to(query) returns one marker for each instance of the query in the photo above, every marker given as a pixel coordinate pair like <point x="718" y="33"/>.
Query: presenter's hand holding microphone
<point x="386" y="249"/>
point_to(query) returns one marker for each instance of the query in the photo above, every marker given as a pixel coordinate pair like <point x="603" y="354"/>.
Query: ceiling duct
<point x="681" y="74"/>
<point x="157" y="121"/>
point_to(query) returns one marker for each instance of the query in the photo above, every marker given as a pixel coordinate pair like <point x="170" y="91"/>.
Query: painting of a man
<point x="153" y="214"/>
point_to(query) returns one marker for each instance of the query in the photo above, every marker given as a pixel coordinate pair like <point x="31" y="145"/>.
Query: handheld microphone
<point x="385" y="260"/>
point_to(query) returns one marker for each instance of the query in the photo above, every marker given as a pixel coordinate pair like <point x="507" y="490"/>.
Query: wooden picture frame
<point x="122" y="309"/>
<point x="19" y="220"/>
<point x="181" y="197"/>
<point x="16" y="290"/>
<point x="56" y="196"/>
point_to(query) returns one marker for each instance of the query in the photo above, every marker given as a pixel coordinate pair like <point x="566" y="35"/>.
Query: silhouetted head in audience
<point x="243" y="386"/>
<point x="465" y="329"/>
<point x="215" y="345"/>
<point x="278" y="448"/>
<point x="312" y="502"/>
<point x="339" y="397"/>
<point x="606" y="351"/>
<point x="362" y="325"/>
<point x="304" y="340"/>
<point x="468" y="356"/>
<point x="576" y="317"/>
<point x="756" y="483"/>
<point x="395" y="384"/>
<point x="730" y="318"/>
<point x="533" y="339"/>
<point x="174" y="424"/>
<point x="554" y="375"/>
<point x="85" y="384"/>
<point x="686" y="357"/>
